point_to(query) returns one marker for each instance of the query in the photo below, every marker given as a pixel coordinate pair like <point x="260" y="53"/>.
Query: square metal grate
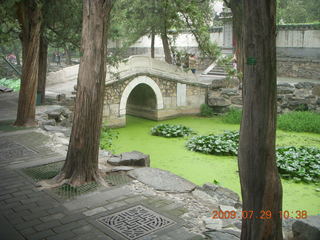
<point x="136" y="222"/>
<point x="66" y="191"/>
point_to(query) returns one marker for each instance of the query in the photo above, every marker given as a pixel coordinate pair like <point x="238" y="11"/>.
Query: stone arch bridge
<point x="151" y="89"/>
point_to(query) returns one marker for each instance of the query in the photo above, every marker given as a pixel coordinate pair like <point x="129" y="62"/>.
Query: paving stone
<point x="73" y="218"/>
<point x="181" y="234"/>
<point x="62" y="236"/>
<point x="48" y="225"/>
<point x="27" y="224"/>
<point x="69" y="226"/>
<point x="35" y="215"/>
<point x="96" y="199"/>
<point x="94" y="211"/>
<point x="52" y="217"/>
<point x="114" y="205"/>
<point x="27" y="231"/>
<point x="82" y="229"/>
<point x="41" y="235"/>
<point x="25" y="207"/>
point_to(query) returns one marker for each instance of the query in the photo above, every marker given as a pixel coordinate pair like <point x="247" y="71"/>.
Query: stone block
<point x="307" y="229"/>
<point x="218" y="102"/>
<point x="134" y="158"/>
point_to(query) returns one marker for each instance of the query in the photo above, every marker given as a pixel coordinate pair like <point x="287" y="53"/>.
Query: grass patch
<point x="299" y="122"/>
<point x="7" y="126"/>
<point x="233" y="116"/>
<point x="206" y="111"/>
<point x="13" y="83"/>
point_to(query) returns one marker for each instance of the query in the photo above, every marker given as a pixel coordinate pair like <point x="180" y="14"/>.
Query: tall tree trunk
<point x="236" y="7"/>
<point x="152" y="42"/>
<point x="16" y="50"/>
<point x="82" y="158"/>
<point x="43" y="55"/>
<point x="260" y="183"/>
<point x="30" y="18"/>
<point x="166" y="48"/>
<point x="67" y="55"/>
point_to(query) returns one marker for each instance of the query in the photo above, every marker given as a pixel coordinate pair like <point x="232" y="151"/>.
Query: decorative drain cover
<point x="136" y="222"/>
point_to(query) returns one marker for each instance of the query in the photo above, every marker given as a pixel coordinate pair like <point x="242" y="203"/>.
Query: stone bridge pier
<point x="151" y="89"/>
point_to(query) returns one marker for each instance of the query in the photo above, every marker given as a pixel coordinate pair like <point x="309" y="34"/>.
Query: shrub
<point x="299" y="163"/>
<point x="225" y="144"/>
<point x="10" y="83"/>
<point x="206" y="111"/>
<point x="233" y="116"/>
<point x="171" y="130"/>
<point x="300" y="122"/>
<point x="107" y="137"/>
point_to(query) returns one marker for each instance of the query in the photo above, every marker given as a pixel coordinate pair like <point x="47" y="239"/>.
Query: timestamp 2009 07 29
<point x="263" y="214"/>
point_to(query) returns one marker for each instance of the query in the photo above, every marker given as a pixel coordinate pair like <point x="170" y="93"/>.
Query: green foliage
<point x="300" y="122"/>
<point x="298" y="11"/>
<point x="225" y="144"/>
<point x="10" y="83"/>
<point x="206" y="111"/>
<point x="171" y="130"/>
<point x="233" y="116"/>
<point x="227" y="63"/>
<point x="108" y="135"/>
<point x="299" y="163"/>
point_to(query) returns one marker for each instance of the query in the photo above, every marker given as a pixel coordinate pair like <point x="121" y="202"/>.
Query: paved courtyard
<point x="30" y="213"/>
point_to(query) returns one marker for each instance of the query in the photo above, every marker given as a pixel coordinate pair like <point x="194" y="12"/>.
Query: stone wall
<point x="298" y="68"/>
<point x="300" y="96"/>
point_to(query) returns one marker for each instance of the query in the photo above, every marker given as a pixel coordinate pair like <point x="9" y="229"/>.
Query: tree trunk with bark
<point x="43" y="55"/>
<point x="30" y="18"/>
<point x="67" y="55"/>
<point x="166" y="47"/>
<point x="82" y="158"/>
<point x="260" y="183"/>
<point x="152" y="42"/>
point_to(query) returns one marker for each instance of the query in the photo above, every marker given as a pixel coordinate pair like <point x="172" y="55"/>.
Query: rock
<point x="285" y="90"/>
<point x="316" y="90"/>
<point x="134" y="158"/>
<point x="212" y="224"/>
<point x="162" y="180"/>
<point x="307" y="229"/>
<point x="224" y="83"/>
<point x="230" y="92"/>
<point x="122" y="168"/>
<point x="224" y="195"/>
<point x="206" y="198"/>
<point x="50" y="122"/>
<point x="236" y="100"/>
<point x="227" y="208"/>
<point x="306" y="85"/>
<point x="222" y="235"/>
<point x="218" y="102"/>
<point x="297" y="103"/>
<point x="54" y="115"/>
<point x="55" y="129"/>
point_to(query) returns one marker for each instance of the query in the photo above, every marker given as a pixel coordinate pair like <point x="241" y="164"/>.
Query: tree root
<point x="74" y="181"/>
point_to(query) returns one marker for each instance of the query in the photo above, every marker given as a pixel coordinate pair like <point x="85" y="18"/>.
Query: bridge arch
<point x="135" y="82"/>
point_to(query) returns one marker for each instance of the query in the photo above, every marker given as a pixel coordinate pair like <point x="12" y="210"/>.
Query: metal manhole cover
<point x="136" y="222"/>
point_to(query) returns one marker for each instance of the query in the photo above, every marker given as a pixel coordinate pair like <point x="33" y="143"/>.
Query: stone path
<point x="28" y="213"/>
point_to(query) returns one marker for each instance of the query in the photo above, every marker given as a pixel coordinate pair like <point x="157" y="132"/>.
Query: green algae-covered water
<point x="170" y="154"/>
